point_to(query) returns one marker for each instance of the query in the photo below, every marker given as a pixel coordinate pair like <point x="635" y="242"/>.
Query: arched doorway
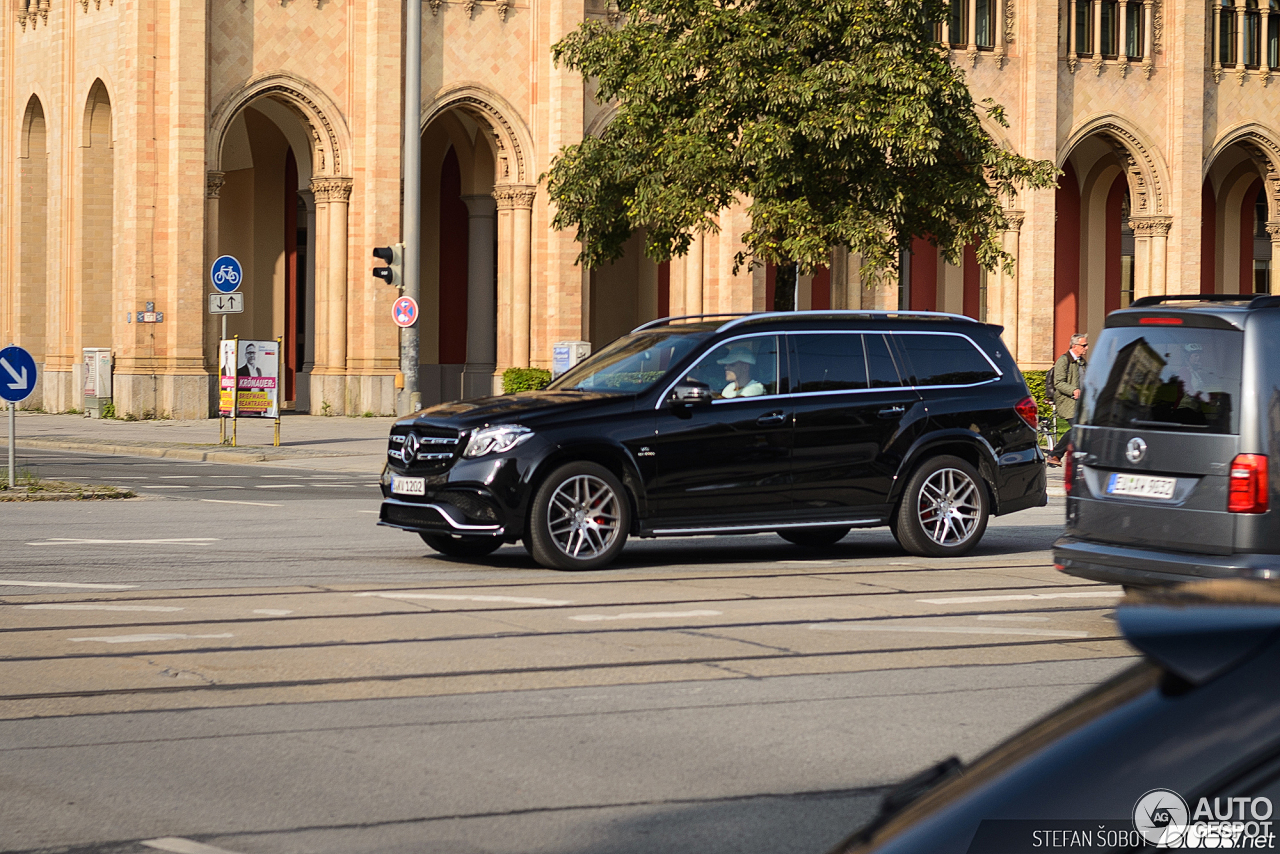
<point x="31" y="303"/>
<point x="1239" y="224"/>
<point x="266" y="218"/>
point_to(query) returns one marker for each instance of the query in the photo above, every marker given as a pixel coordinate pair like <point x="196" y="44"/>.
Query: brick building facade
<point x="139" y="141"/>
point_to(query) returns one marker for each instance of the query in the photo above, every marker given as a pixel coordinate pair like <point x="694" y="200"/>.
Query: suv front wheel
<point x="580" y="518"/>
<point x="944" y="509"/>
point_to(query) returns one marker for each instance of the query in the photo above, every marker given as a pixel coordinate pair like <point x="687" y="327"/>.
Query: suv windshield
<point x="633" y="363"/>
<point x="1170" y="378"/>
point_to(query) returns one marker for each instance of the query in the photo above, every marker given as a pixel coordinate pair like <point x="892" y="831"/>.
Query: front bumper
<point x="1138" y="567"/>
<point x="432" y="518"/>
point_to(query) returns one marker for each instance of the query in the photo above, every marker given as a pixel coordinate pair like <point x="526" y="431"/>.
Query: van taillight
<point x="1068" y="467"/>
<point x="1248" y="491"/>
<point x="1026" y="409"/>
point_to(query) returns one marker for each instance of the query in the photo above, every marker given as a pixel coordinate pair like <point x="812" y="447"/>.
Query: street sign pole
<point x="13" y="421"/>
<point x="412" y="215"/>
<point x="18" y="375"/>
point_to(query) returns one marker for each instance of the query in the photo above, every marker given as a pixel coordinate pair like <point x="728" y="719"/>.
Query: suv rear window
<point x="945" y="359"/>
<point x="1171" y="377"/>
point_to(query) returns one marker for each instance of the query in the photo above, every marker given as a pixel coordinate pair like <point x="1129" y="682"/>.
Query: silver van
<point x="1167" y="477"/>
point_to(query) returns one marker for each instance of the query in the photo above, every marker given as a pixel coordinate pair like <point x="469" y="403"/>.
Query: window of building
<point x="1133" y="32"/>
<point x="985" y="24"/>
<point x="1228" y="30"/>
<point x="1126" y="253"/>
<point x="1084" y="32"/>
<point x="958" y="23"/>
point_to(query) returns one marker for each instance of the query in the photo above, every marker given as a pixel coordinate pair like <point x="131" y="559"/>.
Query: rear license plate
<point x="408" y="485"/>
<point x="1141" y="485"/>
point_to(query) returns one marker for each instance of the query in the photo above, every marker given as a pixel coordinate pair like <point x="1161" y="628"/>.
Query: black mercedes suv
<point x="804" y="423"/>
<point x="1167" y="479"/>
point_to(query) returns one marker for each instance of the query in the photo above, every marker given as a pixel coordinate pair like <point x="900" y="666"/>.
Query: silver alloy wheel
<point x="949" y="507"/>
<point x="582" y="516"/>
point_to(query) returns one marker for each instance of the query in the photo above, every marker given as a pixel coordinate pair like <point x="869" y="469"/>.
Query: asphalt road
<point x="247" y="662"/>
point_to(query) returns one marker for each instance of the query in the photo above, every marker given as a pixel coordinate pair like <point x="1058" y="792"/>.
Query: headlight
<point x="495" y="440"/>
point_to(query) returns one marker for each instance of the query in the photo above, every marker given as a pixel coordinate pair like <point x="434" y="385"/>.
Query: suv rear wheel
<point x="461" y="545"/>
<point x="944" y="509"/>
<point x="580" y="518"/>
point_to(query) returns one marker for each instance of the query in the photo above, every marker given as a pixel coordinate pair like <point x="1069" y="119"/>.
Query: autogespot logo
<point x="1164" y="820"/>
<point x="1161" y="817"/>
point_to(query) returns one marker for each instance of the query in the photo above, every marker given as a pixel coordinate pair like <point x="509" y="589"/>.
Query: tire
<point x="944" y="509"/>
<point x="579" y="519"/>
<point x="461" y="545"/>
<point x="814" y="538"/>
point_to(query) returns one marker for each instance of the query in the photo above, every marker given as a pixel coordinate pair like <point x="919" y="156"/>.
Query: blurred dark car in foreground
<point x="1181" y="750"/>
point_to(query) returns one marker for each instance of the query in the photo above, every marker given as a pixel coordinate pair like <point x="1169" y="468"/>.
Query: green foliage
<point x="108" y="410"/>
<point x="524" y="379"/>
<point x="1036" y="383"/>
<point x="841" y="123"/>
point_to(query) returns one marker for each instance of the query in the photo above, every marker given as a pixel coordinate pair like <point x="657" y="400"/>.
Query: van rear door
<point x="1158" y="428"/>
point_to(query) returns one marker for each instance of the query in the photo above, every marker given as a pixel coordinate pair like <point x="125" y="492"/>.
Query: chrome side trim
<point x="457" y="526"/>
<point x="742" y="529"/>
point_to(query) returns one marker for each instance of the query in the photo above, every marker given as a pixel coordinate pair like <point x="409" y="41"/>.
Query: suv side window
<point x="830" y="361"/>
<point x="880" y="365"/>
<point x="743" y="367"/>
<point x="940" y="359"/>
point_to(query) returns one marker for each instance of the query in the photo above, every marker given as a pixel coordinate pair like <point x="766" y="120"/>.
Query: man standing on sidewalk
<point x="1067" y="373"/>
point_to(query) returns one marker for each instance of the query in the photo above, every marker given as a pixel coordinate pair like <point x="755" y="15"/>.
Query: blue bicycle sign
<point x="226" y="274"/>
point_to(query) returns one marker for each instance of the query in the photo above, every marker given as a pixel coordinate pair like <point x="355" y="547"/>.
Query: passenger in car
<point x="738" y="364"/>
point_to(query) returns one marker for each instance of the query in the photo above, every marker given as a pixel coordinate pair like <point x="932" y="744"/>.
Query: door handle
<point x="772" y="419"/>
<point x="891" y="411"/>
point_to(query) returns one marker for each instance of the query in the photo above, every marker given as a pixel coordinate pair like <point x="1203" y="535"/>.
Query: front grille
<point x="424" y="449"/>
<point x="412" y="516"/>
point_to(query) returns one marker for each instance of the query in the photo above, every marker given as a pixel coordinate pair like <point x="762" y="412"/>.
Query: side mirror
<point x="689" y="394"/>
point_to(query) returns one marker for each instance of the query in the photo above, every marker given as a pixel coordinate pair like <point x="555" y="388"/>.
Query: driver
<point x="738" y="365"/>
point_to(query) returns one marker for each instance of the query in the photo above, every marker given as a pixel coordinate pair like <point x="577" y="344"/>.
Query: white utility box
<point x="97" y="380"/>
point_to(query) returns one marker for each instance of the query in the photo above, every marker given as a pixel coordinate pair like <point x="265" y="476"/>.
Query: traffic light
<point x="393" y="273"/>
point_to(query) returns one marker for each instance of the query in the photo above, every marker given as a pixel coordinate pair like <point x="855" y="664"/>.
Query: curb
<point x="188" y="454"/>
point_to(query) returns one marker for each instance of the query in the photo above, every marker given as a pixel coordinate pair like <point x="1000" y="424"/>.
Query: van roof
<point x="1198" y="309"/>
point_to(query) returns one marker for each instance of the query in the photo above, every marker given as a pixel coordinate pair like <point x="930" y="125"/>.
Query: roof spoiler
<point x="1255" y="301"/>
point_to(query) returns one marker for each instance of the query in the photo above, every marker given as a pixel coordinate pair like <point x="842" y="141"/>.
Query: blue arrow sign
<point x="226" y="274"/>
<point x="17" y="374"/>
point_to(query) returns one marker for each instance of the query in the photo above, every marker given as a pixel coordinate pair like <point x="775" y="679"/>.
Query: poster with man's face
<point x="252" y="368"/>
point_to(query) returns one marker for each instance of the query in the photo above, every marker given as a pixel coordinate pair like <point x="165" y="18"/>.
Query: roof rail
<point x="663" y="321"/>
<point x="761" y="316"/>
<point x="1264" y="301"/>
<point x="1143" y="302"/>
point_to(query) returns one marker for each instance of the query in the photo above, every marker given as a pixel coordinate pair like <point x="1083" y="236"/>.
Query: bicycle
<point x="1047" y="434"/>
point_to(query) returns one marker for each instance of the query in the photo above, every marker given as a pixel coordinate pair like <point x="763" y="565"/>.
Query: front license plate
<point x="1141" y="485"/>
<point x="408" y="485"/>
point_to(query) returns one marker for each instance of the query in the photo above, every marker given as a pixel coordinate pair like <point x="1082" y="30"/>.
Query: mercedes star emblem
<point x="410" y="452"/>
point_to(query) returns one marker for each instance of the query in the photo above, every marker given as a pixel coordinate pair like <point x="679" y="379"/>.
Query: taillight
<point x="1068" y="467"/>
<point x="1026" y="409"/>
<point x="1248" y="491"/>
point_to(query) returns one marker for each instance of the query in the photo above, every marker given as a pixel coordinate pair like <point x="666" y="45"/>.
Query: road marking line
<point x="1013" y="619"/>
<point x="273" y="612"/>
<point x="167" y="541"/>
<point x="78" y="607"/>
<point x="163" y="486"/>
<point x="178" y="476"/>
<point x="644" y="615"/>
<point x="4" y="583"/>
<point x="251" y="503"/>
<point x="448" y="597"/>
<point x="369" y="511"/>
<point x="947" y="630"/>
<point x="227" y="476"/>
<point x="145" y="638"/>
<point x="277" y="485"/>
<point x="178" y="845"/>
<point x="1024" y="597"/>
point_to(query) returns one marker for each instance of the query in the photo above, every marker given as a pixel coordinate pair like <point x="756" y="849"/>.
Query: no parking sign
<point x="405" y="312"/>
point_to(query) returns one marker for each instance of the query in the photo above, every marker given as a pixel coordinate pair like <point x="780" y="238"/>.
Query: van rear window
<point x="1164" y="378"/>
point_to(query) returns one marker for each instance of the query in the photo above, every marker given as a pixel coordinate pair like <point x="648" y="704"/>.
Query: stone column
<point x="1122" y="43"/>
<point x="1148" y="33"/>
<point x="971" y="37"/>
<point x="1150" y="244"/>
<point x="1273" y="229"/>
<point x="1073" y="58"/>
<point x="1008" y="296"/>
<point x="1240" y="25"/>
<point x="694" y="275"/>
<point x="477" y="375"/>
<point x="515" y="205"/>
<point x="1097" y="38"/>
<point x="1264" y="42"/>
<point x="1216" y="49"/>
<point x="332" y="198"/>
<point x="505" y="203"/>
<point x="1001" y="49"/>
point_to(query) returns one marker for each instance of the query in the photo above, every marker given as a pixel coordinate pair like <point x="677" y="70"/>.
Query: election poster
<point x="252" y="370"/>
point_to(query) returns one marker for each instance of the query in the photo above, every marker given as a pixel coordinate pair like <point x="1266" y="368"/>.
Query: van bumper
<point x="1136" y="567"/>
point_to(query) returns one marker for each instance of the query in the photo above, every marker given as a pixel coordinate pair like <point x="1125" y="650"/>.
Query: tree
<point x="839" y="123"/>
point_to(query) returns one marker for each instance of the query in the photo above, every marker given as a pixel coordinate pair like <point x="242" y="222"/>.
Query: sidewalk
<point x="306" y="441"/>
